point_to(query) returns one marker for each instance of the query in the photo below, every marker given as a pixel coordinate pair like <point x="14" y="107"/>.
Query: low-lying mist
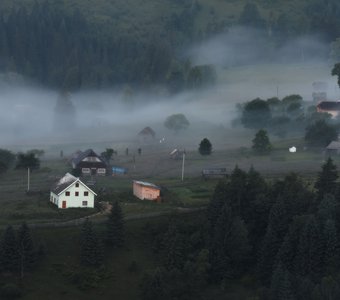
<point x="28" y="115"/>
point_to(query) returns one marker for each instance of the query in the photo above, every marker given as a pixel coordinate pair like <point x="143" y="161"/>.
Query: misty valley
<point x="157" y="149"/>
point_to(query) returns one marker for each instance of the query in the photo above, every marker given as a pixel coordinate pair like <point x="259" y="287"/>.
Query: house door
<point x="63" y="205"/>
<point x="93" y="171"/>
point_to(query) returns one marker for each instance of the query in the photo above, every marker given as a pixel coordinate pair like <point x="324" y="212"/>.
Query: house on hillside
<point x="333" y="148"/>
<point x="89" y="163"/>
<point x="146" y="135"/>
<point x="70" y="191"/>
<point x="146" y="191"/>
<point x="331" y="107"/>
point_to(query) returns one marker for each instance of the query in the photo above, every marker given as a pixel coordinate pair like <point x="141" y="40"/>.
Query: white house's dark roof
<point x="66" y="182"/>
<point x="63" y="183"/>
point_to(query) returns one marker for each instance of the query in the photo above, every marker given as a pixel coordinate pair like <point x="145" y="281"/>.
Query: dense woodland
<point x="65" y="47"/>
<point x="282" y="235"/>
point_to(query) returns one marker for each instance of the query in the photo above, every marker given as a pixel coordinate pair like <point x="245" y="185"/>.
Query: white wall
<point x="75" y="201"/>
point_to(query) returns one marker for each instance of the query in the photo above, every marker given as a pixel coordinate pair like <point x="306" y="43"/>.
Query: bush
<point x="10" y="291"/>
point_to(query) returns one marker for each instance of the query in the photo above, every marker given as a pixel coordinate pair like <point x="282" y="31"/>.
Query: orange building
<point x="145" y="190"/>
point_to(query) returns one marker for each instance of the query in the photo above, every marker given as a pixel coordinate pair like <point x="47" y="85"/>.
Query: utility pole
<point x="28" y="179"/>
<point x="183" y="166"/>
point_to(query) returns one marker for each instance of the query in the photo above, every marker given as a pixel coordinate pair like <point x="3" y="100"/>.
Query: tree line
<point x="283" y="234"/>
<point x="289" y="115"/>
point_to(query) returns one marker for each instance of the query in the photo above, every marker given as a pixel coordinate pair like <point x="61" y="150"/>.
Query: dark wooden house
<point x="89" y="163"/>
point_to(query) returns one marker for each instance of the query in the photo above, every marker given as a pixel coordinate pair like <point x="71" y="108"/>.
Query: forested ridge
<point x="73" y="44"/>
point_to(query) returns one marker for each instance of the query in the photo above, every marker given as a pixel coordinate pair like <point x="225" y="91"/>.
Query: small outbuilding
<point x="70" y="191"/>
<point x="146" y="191"/>
<point x="333" y="148"/>
<point x="146" y="135"/>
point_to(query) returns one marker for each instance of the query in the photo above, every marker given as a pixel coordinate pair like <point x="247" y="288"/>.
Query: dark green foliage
<point x="331" y="247"/>
<point x="261" y="143"/>
<point x="251" y="17"/>
<point x="176" y="122"/>
<point x="326" y="181"/>
<point x="10" y="291"/>
<point x="320" y="134"/>
<point x="27" y="252"/>
<point x="91" y="249"/>
<point x="64" y="113"/>
<point x="309" y="258"/>
<point x="216" y="203"/>
<point x="276" y="231"/>
<point x="296" y="194"/>
<point x="229" y="247"/>
<point x="153" y="286"/>
<point x="288" y="250"/>
<point x="336" y="72"/>
<point x="281" y="288"/>
<point x="174" y="248"/>
<point x="327" y="209"/>
<point x="205" y="147"/>
<point x="62" y="49"/>
<point x="256" y="114"/>
<point x="201" y="76"/>
<point x="10" y="255"/>
<point x="328" y="289"/>
<point x="28" y="160"/>
<point x="115" y="226"/>
<point x="7" y="159"/>
<point x="107" y="154"/>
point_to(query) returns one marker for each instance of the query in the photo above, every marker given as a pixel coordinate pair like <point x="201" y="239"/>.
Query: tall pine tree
<point x="326" y="181"/>
<point x="91" y="250"/>
<point x="10" y="257"/>
<point x="26" y="249"/>
<point x="115" y="226"/>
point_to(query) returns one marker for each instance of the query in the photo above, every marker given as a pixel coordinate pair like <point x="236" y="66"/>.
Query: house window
<point x="86" y="193"/>
<point x="84" y="203"/>
<point x="77" y="194"/>
<point x="67" y="193"/>
<point x="77" y="184"/>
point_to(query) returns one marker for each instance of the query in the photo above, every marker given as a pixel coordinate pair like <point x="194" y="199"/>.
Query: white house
<point x="70" y="191"/>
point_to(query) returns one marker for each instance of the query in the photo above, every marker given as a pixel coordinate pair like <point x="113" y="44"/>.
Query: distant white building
<point x="70" y="192"/>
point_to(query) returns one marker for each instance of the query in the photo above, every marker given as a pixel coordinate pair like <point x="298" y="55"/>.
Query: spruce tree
<point x="26" y="249"/>
<point x="91" y="250"/>
<point x="229" y="248"/>
<point x="237" y="191"/>
<point x="326" y="181"/>
<point x="10" y="257"/>
<point x="216" y="203"/>
<point x="331" y="247"/>
<point x="174" y="248"/>
<point x="115" y="226"/>
<point x="276" y="231"/>
<point x="281" y="287"/>
<point x="309" y="258"/>
<point x="205" y="147"/>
